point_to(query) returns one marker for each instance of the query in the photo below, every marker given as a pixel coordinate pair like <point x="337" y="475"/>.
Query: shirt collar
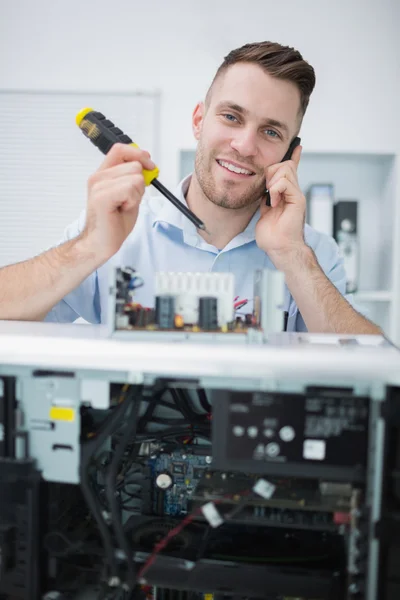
<point x="165" y="213"/>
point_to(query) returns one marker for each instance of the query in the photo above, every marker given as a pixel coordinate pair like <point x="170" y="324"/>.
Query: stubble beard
<point x="227" y="198"/>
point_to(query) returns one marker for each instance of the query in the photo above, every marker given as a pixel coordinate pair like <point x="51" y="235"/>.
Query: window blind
<point x="45" y="160"/>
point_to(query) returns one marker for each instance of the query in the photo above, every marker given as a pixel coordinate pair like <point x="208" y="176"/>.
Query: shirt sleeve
<point x="330" y="261"/>
<point x="83" y="301"/>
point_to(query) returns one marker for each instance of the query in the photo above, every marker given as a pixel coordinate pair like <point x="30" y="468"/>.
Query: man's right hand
<point x="115" y="191"/>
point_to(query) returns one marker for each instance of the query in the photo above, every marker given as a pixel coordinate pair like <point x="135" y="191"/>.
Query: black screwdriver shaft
<point x="179" y="205"/>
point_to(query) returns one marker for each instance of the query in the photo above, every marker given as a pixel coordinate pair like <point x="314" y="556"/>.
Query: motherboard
<point x="175" y="478"/>
<point x="196" y="303"/>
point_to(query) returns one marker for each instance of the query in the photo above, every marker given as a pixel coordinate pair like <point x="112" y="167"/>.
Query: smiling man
<point x="252" y="112"/>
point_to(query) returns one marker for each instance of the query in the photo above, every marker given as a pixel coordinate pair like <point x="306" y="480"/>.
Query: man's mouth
<point x="233" y="168"/>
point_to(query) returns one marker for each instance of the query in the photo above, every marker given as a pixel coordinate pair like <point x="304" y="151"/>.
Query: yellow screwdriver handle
<point x="148" y="175"/>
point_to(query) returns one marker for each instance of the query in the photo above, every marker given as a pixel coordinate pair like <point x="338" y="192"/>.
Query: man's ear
<point x="197" y="119"/>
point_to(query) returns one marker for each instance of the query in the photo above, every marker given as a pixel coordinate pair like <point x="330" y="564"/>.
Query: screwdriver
<point x="104" y="134"/>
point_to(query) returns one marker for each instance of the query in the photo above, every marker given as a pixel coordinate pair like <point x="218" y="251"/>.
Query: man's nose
<point x="245" y="142"/>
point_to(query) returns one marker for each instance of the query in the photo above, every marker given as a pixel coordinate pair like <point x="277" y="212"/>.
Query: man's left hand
<point x="280" y="230"/>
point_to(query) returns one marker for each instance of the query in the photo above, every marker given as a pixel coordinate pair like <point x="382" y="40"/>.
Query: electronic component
<point x="290" y="502"/>
<point x="187" y="469"/>
<point x="165" y="312"/>
<point x="208" y="313"/>
<point x="238" y="558"/>
<point x="179" y="468"/>
<point x="196" y="303"/>
<point x="323" y="432"/>
<point x="164" y="481"/>
<point x="189" y="288"/>
<point x="269" y="293"/>
<point x="298" y="518"/>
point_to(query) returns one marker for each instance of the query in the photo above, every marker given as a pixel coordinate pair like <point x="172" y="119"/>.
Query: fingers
<point x="121" y="153"/>
<point x="287" y="168"/>
<point x="286" y="190"/>
<point x="122" y="160"/>
<point x="124" y="193"/>
<point x="297" y="155"/>
<point x="287" y="165"/>
<point x="126" y="168"/>
<point x="119" y="183"/>
<point x="283" y="173"/>
<point x="114" y="195"/>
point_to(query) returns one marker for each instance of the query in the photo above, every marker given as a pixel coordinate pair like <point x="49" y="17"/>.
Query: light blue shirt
<point x="164" y="240"/>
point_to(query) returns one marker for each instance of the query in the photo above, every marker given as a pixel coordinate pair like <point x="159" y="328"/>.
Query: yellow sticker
<point x="62" y="414"/>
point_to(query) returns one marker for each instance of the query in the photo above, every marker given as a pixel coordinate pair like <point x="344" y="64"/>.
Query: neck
<point x="222" y="224"/>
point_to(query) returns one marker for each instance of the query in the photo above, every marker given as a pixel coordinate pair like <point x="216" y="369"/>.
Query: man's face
<point x="246" y="126"/>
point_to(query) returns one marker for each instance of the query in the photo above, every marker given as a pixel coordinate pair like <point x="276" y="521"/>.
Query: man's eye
<point x="271" y="133"/>
<point x="231" y="118"/>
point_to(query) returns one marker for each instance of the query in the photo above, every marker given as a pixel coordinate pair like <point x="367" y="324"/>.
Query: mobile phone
<point x="293" y="144"/>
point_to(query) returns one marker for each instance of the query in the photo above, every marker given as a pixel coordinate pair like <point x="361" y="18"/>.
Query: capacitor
<point x="208" y="313"/>
<point x="165" y="312"/>
<point x="164" y="481"/>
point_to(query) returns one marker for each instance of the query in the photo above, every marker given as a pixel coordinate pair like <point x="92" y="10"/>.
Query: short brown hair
<point x="278" y="61"/>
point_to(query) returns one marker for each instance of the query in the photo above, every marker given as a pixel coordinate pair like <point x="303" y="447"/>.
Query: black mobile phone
<point x="293" y="144"/>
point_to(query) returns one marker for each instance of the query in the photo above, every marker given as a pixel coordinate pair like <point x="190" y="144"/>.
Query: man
<point x="253" y="110"/>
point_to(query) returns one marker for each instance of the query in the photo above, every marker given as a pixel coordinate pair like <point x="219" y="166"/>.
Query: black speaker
<point x="345" y="229"/>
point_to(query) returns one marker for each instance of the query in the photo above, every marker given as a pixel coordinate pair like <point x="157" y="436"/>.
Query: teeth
<point x="234" y="169"/>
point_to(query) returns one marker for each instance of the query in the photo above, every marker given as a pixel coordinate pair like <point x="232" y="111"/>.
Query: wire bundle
<point x="111" y="480"/>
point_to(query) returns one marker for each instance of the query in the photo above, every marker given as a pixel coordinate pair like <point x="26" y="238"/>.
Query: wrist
<point x="88" y="252"/>
<point x="293" y="259"/>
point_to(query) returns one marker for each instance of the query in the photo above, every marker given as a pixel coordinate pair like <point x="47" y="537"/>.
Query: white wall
<point x="175" y="46"/>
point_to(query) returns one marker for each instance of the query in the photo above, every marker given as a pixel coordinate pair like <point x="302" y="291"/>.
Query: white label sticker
<point x="264" y="488"/>
<point x="314" y="449"/>
<point x="211" y="514"/>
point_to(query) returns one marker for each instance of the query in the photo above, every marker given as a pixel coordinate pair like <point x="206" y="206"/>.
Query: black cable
<point x="202" y="396"/>
<point x="167" y="433"/>
<point x="89" y="448"/>
<point x="153" y="401"/>
<point x="166" y="421"/>
<point x="130" y="496"/>
<point x="180" y="405"/>
<point x="148" y="414"/>
<point x="196" y="418"/>
<point x="111" y="478"/>
<point x="181" y="400"/>
<point x="168" y="405"/>
<point x="200" y="429"/>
